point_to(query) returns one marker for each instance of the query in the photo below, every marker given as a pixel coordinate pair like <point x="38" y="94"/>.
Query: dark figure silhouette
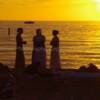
<point x="39" y="52"/>
<point x="55" y="57"/>
<point x="9" y="33"/>
<point x="20" y="59"/>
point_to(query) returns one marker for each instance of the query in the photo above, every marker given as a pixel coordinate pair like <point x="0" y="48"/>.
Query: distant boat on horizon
<point x="29" y="22"/>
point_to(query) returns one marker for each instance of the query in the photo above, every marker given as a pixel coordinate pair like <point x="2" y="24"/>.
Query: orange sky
<point x="50" y="10"/>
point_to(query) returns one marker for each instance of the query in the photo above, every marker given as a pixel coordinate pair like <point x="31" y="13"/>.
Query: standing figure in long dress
<point x="39" y="52"/>
<point x="55" y="56"/>
<point x="20" y="59"/>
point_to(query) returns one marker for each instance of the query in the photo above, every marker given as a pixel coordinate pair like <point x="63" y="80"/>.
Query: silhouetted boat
<point x="29" y="22"/>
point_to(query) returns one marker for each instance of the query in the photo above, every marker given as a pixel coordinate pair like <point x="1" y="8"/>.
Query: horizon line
<point x="52" y="20"/>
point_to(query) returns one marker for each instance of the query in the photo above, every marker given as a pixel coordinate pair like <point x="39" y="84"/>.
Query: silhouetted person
<point x="39" y="52"/>
<point x="20" y="59"/>
<point x="9" y="33"/>
<point x="55" y="57"/>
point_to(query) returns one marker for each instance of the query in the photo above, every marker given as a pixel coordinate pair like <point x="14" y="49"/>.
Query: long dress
<point x="55" y="55"/>
<point x="39" y="52"/>
<point x="20" y="59"/>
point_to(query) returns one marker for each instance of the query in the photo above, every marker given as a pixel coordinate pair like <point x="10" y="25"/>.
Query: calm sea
<point x="79" y="41"/>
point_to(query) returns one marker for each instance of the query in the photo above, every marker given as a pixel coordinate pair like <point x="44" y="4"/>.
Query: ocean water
<point x="79" y="41"/>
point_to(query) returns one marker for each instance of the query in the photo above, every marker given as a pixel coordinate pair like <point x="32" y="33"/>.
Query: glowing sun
<point x="98" y="5"/>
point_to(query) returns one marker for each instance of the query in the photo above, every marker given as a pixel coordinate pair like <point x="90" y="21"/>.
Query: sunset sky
<point x="50" y="9"/>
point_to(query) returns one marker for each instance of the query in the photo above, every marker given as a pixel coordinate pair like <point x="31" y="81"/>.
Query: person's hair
<point x="55" y="32"/>
<point x="20" y="30"/>
<point x="38" y="30"/>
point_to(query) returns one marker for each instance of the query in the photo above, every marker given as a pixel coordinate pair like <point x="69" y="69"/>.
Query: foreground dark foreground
<point x="52" y="87"/>
<point x="79" y="84"/>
